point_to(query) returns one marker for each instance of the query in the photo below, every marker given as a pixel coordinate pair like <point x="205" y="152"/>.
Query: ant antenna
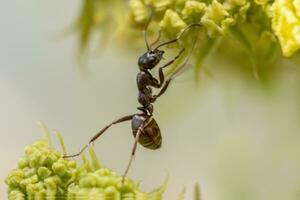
<point x="157" y="39"/>
<point x="180" y="35"/>
<point x="147" y="25"/>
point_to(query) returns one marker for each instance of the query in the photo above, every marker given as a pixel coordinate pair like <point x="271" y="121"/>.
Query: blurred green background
<point x="236" y="137"/>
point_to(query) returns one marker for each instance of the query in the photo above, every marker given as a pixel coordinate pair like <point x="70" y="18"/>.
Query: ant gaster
<point x="144" y="127"/>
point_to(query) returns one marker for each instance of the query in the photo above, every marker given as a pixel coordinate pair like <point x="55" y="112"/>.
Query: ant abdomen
<point x="150" y="136"/>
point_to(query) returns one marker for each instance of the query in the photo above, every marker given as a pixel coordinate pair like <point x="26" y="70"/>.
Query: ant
<point x="144" y="127"/>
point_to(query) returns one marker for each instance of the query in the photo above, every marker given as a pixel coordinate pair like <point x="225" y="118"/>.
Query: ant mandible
<point x="144" y="127"/>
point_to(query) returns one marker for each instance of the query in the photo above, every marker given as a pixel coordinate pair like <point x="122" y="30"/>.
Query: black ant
<point x="144" y="127"/>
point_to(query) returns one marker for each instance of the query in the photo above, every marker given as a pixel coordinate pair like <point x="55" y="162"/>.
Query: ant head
<point x="150" y="59"/>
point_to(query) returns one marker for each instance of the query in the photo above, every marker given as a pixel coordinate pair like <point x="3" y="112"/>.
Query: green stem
<point x="95" y="160"/>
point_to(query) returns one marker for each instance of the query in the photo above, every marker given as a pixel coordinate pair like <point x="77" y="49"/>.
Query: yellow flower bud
<point x="43" y="172"/>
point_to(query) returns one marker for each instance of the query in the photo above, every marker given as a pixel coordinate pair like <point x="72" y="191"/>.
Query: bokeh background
<point x="237" y="138"/>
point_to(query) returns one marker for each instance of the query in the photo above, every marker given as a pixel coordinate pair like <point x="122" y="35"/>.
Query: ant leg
<point x="177" y="71"/>
<point x="133" y="152"/>
<point x="163" y="89"/>
<point x="160" y="70"/>
<point x="166" y="85"/>
<point x="122" y="119"/>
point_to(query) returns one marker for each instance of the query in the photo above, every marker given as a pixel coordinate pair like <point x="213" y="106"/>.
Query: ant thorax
<point x="143" y="79"/>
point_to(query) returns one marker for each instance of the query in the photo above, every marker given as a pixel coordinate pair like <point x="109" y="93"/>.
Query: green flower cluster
<point x="105" y="184"/>
<point x="43" y="174"/>
<point x="96" y="182"/>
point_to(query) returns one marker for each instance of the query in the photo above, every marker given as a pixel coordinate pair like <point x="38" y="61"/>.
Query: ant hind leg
<point x="133" y="151"/>
<point x="122" y="119"/>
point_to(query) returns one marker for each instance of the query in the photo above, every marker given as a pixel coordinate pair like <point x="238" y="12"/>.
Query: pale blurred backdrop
<point x="238" y="140"/>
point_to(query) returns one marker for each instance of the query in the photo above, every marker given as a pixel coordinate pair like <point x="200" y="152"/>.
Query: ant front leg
<point x="122" y="119"/>
<point x="177" y="71"/>
<point x="163" y="89"/>
<point x="160" y="70"/>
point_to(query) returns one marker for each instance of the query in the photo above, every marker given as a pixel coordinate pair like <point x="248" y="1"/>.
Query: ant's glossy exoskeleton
<point x="144" y="127"/>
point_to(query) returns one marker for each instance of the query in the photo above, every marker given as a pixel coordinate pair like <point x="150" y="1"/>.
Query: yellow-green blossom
<point x="216" y="19"/>
<point x="139" y="14"/>
<point x="106" y="184"/>
<point x="172" y="24"/>
<point x="193" y="11"/>
<point x="42" y="173"/>
<point x="237" y="8"/>
<point x="102" y="183"/>
<point x="159" y="5"/>
<point x="286" y="24"/>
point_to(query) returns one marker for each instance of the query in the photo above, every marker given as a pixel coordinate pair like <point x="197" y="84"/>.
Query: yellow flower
<point x="139" y="13"/>
<point x="159" y="5"/>
<point x="286" y="24"/>
<point x="216" y="19"/>
<point x="193" y="11"/>
<point x="237" y="8"/>
<point x="172" y="24"/>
